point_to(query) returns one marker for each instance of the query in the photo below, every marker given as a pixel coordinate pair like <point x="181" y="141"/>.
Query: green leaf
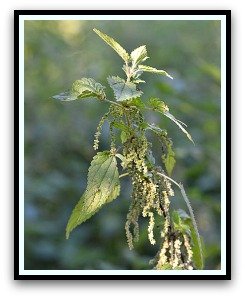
<point x="83" y="88"/>
<point x="137" y="102"/>
<point x="115" y="45"/>
<point x="120" y="125"/>
<point x="179" y="224"/>
<point x="121" y="157"/>
<point x="64" y="96"/>
<point x="147" y="68"/>
<point x="123" y="90"/>
<point x="138" y="55"/>
<point x="195" y="239"/>
<point x="102" y="187"/>
<point x="87" y="87"/>
<point x="126" y="131"/>
<point x="169" y="159"/>
<point x="196" y="246"/>
<point x="158" y="105"/>
<point x="179" y="123"/>
<point x="124" y="136"/>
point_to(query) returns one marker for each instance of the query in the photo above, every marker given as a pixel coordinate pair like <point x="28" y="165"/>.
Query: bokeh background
<point x="59" y="136"/>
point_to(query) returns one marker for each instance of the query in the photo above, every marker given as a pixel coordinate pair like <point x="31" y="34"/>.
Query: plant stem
<point x="113" y="102"/>
<point x="184" y="195"/>
<point x="123" y="175"/>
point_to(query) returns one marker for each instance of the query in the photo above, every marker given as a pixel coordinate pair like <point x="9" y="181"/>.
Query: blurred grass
<point x="59" y="136"/>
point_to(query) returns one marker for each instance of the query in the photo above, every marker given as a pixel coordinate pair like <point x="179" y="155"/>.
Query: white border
<point x="221" y="18"/>
<point x="122" y="17"/>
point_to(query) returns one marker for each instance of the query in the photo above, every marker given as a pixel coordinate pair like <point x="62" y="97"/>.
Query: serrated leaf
<point x="64" y="96"/>
<point x="147" y="68"/>
<point x="158" y="105"/>
<point x="102" y="187"/>
<point x="138" y="55"/>
<point x="169" y="159"/>
<point x="123" y="90"/>
<point x="83" y="88"/>
<point x="87" y="87"/>
<point x="179" y="123"/>
<point x="115" y="45"/>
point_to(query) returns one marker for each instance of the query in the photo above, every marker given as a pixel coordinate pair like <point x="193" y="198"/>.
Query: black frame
<point x="226" y="13"/>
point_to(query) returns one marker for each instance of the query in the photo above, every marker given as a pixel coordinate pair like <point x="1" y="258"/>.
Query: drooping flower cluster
<point x="151" y="194"/>
<point x="151" y="197"/>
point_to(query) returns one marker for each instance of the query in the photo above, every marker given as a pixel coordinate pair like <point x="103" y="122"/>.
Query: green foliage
<point x="58" y="136"/>
<point x="147" y="68"/>
<point x="196" y="247"/>
<point x="87" y="87"/>
<point x="138" y="55"/>
<point x="83" y="88"/>
<point x="158" y="105"/>
<point x="115" y="45"/>
<point x="184" y="224"/>
<point x="102" y="187"/>
<point x="152" y="188"/>
<point x="179" y="124"/>
<point x="123" y="90"/>
<point x="169" y="159"/>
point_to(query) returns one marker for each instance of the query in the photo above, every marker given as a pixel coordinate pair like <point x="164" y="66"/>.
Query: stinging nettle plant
<point x="180" y="245"/>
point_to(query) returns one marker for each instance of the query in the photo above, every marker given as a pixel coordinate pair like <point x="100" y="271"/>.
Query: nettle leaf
<point x="147" y="68"/>
<point x="196" y="246"/>
<point x="158" y="105"/>
<point x="102" y="187"/>
<point x="169" y="159"/>
<point x="195" y="238"/>
<point x="179" y="224"/>
<point x="124" y="136"/>
<point x="179" y="124"/>
<point x="64" y="96"/>
<point x="136" y="102"/>
<point x="115" y="45"/>
<point x="87" y="87"/>
<point x="83" y="88"/>
<point x="125" y="130"/>
<point x="123" y="90"/>
<point x="139" y="55"/>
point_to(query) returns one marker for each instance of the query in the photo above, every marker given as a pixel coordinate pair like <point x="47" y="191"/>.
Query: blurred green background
<point x="59" y="136"/>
